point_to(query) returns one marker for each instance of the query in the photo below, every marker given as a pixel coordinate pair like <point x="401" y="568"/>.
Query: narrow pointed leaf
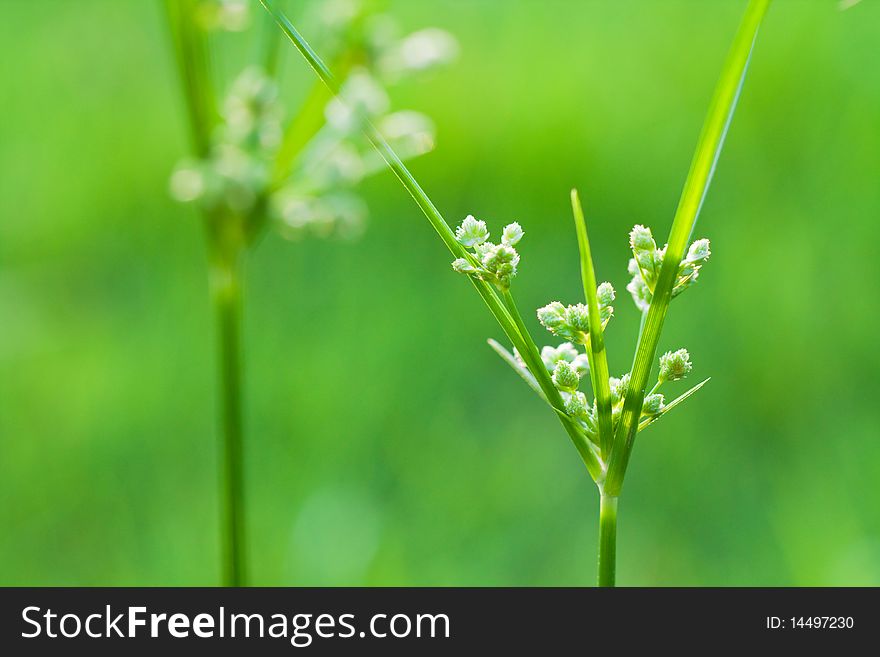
<point x="596" y="349"/>
<point x="695" y="188"/>
<point x="648" y="421"/>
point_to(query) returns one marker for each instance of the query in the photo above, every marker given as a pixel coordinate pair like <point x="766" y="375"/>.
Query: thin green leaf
<point x="695" y="188"/>
<point x="596" y="350"/>
<point x="648" y="421"/>
<point x="524" y="373"/>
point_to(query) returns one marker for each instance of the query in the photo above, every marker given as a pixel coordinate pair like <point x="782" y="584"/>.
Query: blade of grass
<point x="191" y="53"/>
<point x="696" y="185"/>
<point x="596" y="353"/>
<point x="510" y="322"/>
<point x="648" y="421"/>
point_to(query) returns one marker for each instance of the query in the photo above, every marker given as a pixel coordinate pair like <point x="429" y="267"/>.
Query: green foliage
<point x="106" y="422"/>
<point x="662" y="270"/>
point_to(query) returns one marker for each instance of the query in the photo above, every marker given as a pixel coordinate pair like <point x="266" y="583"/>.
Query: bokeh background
<point x="387" y="444"/>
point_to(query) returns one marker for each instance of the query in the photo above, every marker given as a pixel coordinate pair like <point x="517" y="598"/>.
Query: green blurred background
<point x="387" y="444"/>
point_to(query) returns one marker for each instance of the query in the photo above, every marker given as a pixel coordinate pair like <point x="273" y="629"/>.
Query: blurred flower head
<point x="226" y="15"/>
<point x="300" y="172"/>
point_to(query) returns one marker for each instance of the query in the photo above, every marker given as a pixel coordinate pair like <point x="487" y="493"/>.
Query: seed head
<point x="581" y="364"/>
<point x="512" y="234"/>
<point x="576" y="404"/>
<point x="605" y="294"/>
<point x="618" y="387"/>
<point x="675" y="365"/>
<point x="637" y="287"/>
<point x="578" y="318"/>
<point x="699" y="252"/>
<point x="552" y="355"/>
<point x="565" y="377"/>
<point x="653" y="404"/>
<point x="471" y="232"/>
<point x="641" y="239"/>
<point x="498" y="255"/>
<point x="500" y="261"/>
<point x="552" y="316"/>
<point x="420" y="51"/>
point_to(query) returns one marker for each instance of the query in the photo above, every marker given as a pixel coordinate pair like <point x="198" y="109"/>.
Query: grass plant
<point x="253" y="166"/>
<point x="603" y="430"/>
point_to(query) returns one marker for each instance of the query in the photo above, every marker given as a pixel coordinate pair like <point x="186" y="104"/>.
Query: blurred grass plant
<point x="253" y="167"/>
<point x="604" y="431"/>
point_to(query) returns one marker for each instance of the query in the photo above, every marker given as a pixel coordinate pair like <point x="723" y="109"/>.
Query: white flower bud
<point x="552" y="316"/>
<point x="462" y="266"/>
<point x="552" y="355"/>
<point x="641" y="293"/>
<point x="577" y="317"/>
<point x="618" y="387"/>
<point x="675" y="365"/>
<point x="653" y="404"/>
<point x="581" y="364"/>
<point x="699" y="252"/>
<point x="471" y="232"/>
<point x="502" y="253"/>
<point x="427" y="48"/>
<point x="512" y="234"/>
<point x="576" y="404"/>
<point x="229" y="15"/>
<point x="564" y="377"/>
<point x="501" y="261"/>
<point x="605" y="294"/>
<point x="188" y="182"/>
<point x="484" y="248"/>
<point x="641" y="239"/>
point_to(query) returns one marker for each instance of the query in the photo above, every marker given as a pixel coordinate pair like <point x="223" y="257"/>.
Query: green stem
<point x="607" y="539"/>
<point x="226" y="296"/>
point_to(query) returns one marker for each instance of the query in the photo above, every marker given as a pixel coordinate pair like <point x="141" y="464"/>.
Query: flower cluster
<point x="565" y="363"/>
<point x="674" y="365"/>
<point x="567" y="367"/>
<point x="236" y="171"/>
<point x="644" y="266"/>
<point x="494" y="263"/>
<point x="303" y="179"/>
<point x="573" y="322"/>
<point x="567" y="352"/>
<point x="354" y="28"/>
